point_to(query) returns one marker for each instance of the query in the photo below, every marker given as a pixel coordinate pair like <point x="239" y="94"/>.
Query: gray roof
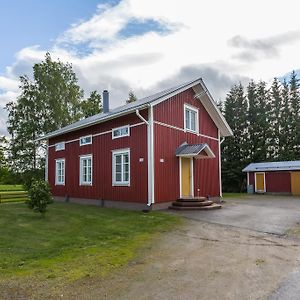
<point x="187" y="149"/>
<point x="128" y="108"/>
<point x="273" y="166"/>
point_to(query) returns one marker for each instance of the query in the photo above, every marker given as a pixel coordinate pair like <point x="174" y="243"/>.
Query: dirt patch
<point x="198" y="261"/>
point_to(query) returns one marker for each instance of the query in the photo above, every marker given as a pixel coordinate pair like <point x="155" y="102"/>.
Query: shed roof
<point x="196" y="150"/>
<point x="273" y="166"/>
<point x="209" y="103"/>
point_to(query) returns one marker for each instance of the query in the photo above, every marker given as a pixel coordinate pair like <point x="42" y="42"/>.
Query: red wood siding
<point x="206" y="171"/>
<point x="171" y="112"/>
<point x="276" y="182"/>
<point x="102" y="162"/>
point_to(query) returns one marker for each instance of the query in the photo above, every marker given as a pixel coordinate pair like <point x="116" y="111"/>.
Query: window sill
<point x="86" y="184"/>
<point x="60" y="184"/>
<point x="191" y="131"/>
<point x="120" y="184"/>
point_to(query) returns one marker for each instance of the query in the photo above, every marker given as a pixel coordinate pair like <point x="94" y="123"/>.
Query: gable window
<point x="60" y="171"/>
<point x="121" y="167"/>
<point x="120" y="132"/>
<point x="190" y="118"/>
<point x="86" y="170"/>
<point x="60" y="146"/>
<point x="85" y="140"/>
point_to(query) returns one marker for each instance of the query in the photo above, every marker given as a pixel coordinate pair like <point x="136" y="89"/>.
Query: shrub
<point x="39" y="196"/>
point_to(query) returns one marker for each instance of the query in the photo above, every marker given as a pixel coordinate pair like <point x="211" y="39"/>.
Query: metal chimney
<point x="105" y="101"/>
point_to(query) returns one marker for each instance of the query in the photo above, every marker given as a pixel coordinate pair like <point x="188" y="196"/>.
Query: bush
<point x="39" y="196"/>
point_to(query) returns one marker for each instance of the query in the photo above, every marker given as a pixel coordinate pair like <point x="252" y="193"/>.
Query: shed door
<point x="295" y="183"/>
<point x="260" y="186"/>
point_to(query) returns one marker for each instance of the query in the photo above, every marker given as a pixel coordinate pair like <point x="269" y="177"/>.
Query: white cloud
<point x="200" y="40"/>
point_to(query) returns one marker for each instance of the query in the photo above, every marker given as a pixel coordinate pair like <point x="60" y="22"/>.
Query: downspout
<point x="46" y="161"/>
<point x="149" y="124"/>
<point x="220" y="167"/>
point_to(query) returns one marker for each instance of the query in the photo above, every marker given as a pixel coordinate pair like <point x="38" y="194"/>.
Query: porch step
<point x="209" y="207"/>
<point x="187" y="203"/>
<point x="191" y="199"/>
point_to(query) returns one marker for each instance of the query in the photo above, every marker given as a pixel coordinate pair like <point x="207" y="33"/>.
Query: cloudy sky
<point x="147" y="45"/>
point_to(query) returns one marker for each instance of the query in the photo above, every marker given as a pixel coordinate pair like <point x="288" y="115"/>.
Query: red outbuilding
<point x="146" y="153"/>
<point x="281" y="177"/>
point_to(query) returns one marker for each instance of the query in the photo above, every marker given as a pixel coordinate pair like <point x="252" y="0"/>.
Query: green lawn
<point x="11" y="187"/>
<point x="234" y="195"/>
<point x="73" y="241"/>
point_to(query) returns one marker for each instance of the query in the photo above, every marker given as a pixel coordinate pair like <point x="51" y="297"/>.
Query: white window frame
<point x="118" y="128"/>
<point x="60" y="146"/>
<point x="81" y="159"/>
<point x="194" y="109"/>
<point x="81" y="143"/>
<point x="114" y="154"/>
<point x="59" y="161"/>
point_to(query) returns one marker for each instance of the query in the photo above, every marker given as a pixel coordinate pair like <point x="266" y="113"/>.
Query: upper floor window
<point x="120" y="131"/>
<point x="85" y="140"/>
<point x="86" y="170"/>
<point x="121" y="167"/>
<point x="190" y="118"/>
<point x="60" y="146"/>
<point x="60" y="171"/>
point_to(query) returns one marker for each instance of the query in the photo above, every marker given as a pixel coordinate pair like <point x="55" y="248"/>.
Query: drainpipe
<point x="150" y="152"/>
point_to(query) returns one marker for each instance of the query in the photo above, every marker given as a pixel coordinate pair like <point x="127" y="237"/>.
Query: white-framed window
<point x="191" y="118"/>
<point x="85" y="140"/>
<point x="60" y="171"/>
<point x="120" y="132"/>
<point x="121" y="167"/>
<point x="86" y="170"/>
<point x="60" y="146"/>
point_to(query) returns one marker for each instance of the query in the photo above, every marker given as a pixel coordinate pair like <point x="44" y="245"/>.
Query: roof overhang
<point x="197" y="151"/>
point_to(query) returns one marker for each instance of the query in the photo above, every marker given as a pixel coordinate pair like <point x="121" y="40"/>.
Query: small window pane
<point x="118" y="159"/>
<point x="118" y="177"/>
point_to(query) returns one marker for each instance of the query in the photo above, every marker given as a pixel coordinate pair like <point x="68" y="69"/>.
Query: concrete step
<point x="209" y="207"/>
<point x="191" y="199"/>
<point x="192" y="203"/>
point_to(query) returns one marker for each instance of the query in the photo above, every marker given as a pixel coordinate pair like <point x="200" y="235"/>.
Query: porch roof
<point x="196" y="150"/>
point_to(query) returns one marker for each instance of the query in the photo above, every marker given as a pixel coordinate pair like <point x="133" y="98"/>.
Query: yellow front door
<point x="295" y="183"/>
<point x="185" y="177"/>
<point x="260" y="182"/>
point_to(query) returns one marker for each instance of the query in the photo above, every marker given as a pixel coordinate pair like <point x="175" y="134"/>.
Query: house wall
<point x="206" y="171"/>
<point x="276" y="182"/>
<point x="101" y="149"/>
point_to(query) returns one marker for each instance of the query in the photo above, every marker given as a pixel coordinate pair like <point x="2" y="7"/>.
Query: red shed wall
<point x="276" y="182"/>
<point x="102" y="162"/>
<point x="206" y="171"/>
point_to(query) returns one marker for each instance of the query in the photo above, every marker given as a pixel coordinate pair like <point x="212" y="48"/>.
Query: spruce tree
<point x="235" y="148"/>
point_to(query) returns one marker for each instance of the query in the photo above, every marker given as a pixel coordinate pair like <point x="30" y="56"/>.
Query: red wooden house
<point x="146" y="153"/>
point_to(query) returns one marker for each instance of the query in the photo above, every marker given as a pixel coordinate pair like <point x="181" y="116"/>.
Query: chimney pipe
<point x="105" y="101"/>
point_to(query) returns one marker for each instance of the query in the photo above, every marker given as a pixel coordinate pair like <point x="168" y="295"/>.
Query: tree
<point x="295" y="115"/>
<point x="92" y="105"/>
<point x="274" y="119"/>
<point x="50" y="101"/>
<point x="131" y="97"/>
<point x="235" y="148"/>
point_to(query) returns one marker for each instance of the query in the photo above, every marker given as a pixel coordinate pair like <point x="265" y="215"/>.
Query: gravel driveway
<point x="269" y="214"/>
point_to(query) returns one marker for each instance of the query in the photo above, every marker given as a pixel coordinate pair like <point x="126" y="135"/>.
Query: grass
<point x="11" y="187"/>
<point x="73" y="241"/>
<point x="234" y="195"/>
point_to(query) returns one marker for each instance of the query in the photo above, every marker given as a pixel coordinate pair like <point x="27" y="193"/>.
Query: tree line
<point x="50" y="100"/>
<point x="266" y="127"/>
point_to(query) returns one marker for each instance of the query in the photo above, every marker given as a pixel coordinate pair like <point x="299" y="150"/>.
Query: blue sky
<point x="146" y="46"/>
<point x="37" y="22"/>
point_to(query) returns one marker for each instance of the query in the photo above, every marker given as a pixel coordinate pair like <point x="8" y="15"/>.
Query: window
<point x="86" y="170"/>
<point x="121" y="131"/>
<point x="190" y="118"/>
<point x="85" y="140"/>
<point x="60" y="171"/>
<point x="121" y="167"/>
<point x="60" y="146"/>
